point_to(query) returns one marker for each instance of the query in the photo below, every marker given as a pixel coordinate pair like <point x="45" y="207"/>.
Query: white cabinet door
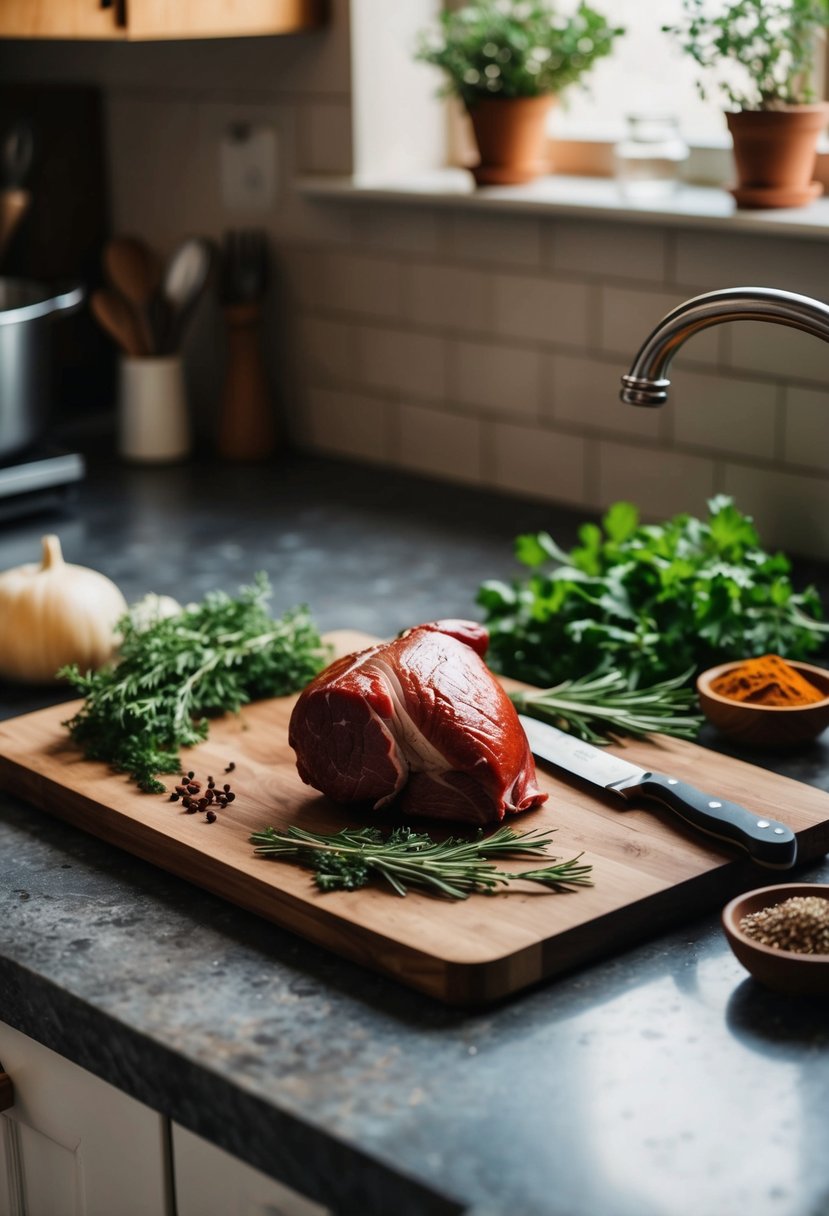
<point x="209" y="1182"/>
<point x="72" y="1145"/>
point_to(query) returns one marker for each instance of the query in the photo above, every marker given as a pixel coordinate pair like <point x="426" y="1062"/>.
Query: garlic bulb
<point x="151" y="609"/>
<point x="55" y="613"/>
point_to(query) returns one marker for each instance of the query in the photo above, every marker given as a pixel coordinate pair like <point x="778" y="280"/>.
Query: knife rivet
<point x="673" y="781"/>
<point x="763" y="823"/>
<point x="779" y="831"/>
<point x="714" y="805"/>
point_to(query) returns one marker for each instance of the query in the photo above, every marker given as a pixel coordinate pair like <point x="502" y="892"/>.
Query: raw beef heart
<point x="419" y="721"/>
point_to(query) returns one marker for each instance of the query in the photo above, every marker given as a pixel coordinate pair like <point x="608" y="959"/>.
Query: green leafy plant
<point x="515" y="48"/>
<point x="174" y="674"/>
<point x="649" y="601"/>
<point x="453" y="868"/>
<point x="772" y="41"/>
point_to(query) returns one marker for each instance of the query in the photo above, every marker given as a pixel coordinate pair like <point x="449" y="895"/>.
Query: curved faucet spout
<point x="647" y="384"/>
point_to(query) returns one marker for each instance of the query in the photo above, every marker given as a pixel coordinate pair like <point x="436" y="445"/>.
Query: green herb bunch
<point x="453" y="868"/>
<point x="652" y="601"/>
<point x="773" y="41"/>
<point x="515" y="48"/>
<point x="172" y="676"/>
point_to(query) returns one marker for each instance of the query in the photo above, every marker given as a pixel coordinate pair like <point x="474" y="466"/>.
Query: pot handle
<point x="67" y="300"/>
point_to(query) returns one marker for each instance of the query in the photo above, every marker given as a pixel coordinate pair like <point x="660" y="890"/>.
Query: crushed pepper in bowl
<point x="800" y="924"/>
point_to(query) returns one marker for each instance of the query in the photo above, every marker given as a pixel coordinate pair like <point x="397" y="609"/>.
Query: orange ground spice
<point x="768" y="680"/>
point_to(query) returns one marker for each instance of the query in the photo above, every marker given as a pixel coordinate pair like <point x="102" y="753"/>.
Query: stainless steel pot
<point x="26" y="309"/>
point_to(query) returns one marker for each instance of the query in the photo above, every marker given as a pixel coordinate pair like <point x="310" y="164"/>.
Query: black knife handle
<point x="766" y="841"/>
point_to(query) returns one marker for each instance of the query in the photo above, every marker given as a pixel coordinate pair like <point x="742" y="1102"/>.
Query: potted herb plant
<point x="507" y="61"/>
<point x="774" y="119"/>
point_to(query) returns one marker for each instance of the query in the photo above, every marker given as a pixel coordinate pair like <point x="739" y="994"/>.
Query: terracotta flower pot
<point x="511" y="133"/>
<point x="774" y="154"/>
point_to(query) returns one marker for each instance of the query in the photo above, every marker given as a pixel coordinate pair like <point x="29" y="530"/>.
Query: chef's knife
<point x="766" y="841"/>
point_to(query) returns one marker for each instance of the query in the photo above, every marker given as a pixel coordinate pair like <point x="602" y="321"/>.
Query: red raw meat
<point x="420" y="722"/>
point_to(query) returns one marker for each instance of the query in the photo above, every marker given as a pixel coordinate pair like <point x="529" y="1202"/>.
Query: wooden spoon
<point x="133" y="269"/>
<point x="118" y="318"/>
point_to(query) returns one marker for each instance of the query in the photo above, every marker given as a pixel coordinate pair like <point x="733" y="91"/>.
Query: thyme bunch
<point x="453" y="868"/>
<point x="173" y="675"/>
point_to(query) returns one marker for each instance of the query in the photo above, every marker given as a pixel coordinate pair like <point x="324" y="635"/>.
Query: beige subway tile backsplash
<point x="628" y="315"/>
<point x="709" y="260"/>
<point x="604" y="250"/>
<point x="324" y="144"/>
<point x="452" y="297"/>
<point x="726" y="415"/>
<point x="791" y="510"/>
<point x="443" y="445"/>
<point x="806" y="435"/>
<point x="349" y="424"/>
<point x="407" y="230"/>
<point x="773" y="350"/>
<point x="542" y="309"/>
<point x="659" y="482"/>
<point x="499" y="378"/>
<point x="538" y="463"/>
<point x="372" y="286"/>
<point x="404" y="362"/>
<point x="585" y="393"/>
<point x="505" y="240"/>
<point x="328" y="350"/>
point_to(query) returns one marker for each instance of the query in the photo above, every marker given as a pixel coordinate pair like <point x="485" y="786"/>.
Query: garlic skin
<point x="53" y="614"/>
<point x="153" y="608"/>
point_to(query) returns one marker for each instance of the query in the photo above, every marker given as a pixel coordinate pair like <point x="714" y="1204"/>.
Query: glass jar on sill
<point x="649" y="160"/>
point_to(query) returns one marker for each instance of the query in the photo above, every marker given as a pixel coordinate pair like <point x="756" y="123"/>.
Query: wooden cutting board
<point x="649" y="870"/>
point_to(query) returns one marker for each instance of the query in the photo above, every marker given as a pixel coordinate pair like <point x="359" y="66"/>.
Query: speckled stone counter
<point x="662" y="1082"/>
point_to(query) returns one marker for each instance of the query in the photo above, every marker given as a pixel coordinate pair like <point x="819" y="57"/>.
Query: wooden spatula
<point x="117" y="317"/>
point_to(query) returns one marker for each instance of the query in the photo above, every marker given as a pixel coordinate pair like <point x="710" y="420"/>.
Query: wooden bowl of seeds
<point x="781" y="935"/>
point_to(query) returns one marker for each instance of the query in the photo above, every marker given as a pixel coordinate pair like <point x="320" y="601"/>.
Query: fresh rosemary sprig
<point x="596" y="705"/>
<point x="172" y="676"/>
<point x="453" y="868"/>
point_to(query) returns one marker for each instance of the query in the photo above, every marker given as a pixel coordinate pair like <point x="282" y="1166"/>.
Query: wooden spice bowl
<point x="766" y="725"/>
<point x="782" y="970"/>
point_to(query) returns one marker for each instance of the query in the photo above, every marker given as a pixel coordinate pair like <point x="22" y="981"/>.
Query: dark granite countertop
<point x="662" y="1082"/>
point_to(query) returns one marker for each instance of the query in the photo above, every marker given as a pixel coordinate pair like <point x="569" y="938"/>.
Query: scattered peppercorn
<point x="209" y="801"/>
<point x="231" y="766"/>
<point x="800" y="924"/>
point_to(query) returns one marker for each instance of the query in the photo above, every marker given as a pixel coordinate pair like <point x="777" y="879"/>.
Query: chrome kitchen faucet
<point x="647" y="384"/>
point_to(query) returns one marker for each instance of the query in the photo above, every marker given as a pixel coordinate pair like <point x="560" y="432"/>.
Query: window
<point x="646" y="74"/>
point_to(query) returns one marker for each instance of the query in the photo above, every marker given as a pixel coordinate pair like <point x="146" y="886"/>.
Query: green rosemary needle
<point x="596" y="705"/>
<point x="453" y="868"/>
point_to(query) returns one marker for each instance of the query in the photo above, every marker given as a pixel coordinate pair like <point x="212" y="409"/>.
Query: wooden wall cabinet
<point x="146" y="20"/>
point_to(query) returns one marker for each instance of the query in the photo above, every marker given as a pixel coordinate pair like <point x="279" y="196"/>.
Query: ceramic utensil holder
<point x="153" y="423"/>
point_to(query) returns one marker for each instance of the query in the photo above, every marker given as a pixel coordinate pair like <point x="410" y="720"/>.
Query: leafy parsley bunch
<point x="651" y="601"/>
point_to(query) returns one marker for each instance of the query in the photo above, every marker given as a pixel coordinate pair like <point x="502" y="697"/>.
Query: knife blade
<point x="767" y="841"/>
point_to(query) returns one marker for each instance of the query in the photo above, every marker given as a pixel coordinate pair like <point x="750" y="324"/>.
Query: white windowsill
<point x="587" y="197"/>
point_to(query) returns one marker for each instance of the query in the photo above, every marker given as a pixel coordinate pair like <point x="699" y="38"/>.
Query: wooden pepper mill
<point x="246" y="422"/>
